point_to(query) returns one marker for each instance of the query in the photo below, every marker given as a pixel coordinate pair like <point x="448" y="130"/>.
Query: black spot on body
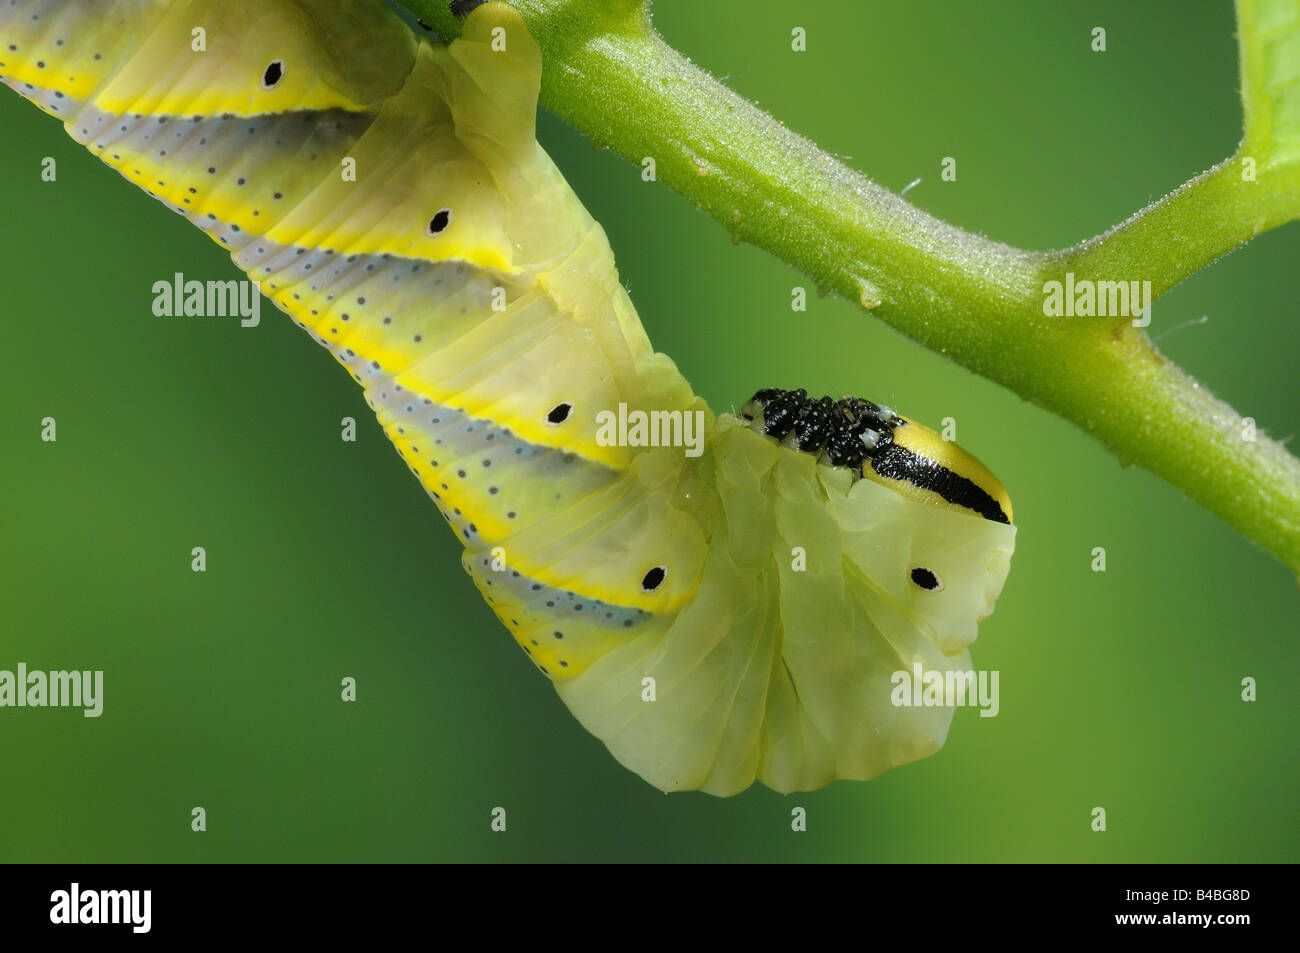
<point x="925" y="578"/>
<point x="654" y="579"/>
<point x="274" y="72"/>
<point x="440" y="220"/>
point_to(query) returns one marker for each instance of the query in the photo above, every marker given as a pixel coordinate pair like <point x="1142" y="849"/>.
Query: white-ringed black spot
<point x="558" y="414"/>
<point x="926" y="579"/>
<point x="441" y="219"/>
<point x="274" y="73"/>
<point x="654" y="579"/>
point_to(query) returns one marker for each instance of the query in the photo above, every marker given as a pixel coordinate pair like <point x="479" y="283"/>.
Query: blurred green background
<point x="1118" y="689"/>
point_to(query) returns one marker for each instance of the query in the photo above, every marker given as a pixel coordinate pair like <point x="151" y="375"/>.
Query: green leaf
<point x="1269" y="32"/>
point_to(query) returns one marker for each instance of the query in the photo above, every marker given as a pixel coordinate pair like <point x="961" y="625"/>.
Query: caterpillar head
<point x="880" y="445"/>
<point x="944" y="561"/>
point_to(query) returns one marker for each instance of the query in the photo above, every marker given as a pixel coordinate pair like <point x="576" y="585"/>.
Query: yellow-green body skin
<point x="460" y="281"/>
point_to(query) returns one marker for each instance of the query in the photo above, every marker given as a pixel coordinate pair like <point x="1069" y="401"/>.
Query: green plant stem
<point x="1189" y="228"/>
<point x="976" y="301"/>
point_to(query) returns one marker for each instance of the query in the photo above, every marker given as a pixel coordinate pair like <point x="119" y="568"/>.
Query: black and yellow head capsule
<point x="880" y="445"/>
<point x="923" y="466"/>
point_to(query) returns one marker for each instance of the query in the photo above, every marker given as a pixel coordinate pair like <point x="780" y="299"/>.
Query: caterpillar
<point x="716" y="616"/>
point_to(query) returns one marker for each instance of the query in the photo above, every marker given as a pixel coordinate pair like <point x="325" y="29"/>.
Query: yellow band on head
<point x="923" y="466"/>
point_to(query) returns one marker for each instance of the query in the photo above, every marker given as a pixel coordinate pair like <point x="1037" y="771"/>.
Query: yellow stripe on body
<point x="178" y="72"/>
<point x="489" y="484"/>
<point x="52" y="46"/>
<point x="511" y="367"/>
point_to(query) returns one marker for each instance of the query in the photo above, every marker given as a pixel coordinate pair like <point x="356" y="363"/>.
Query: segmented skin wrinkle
<point x="459" y="280"/>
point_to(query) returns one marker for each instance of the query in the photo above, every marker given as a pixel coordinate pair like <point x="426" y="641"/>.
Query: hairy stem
<point x="979" y="302"/>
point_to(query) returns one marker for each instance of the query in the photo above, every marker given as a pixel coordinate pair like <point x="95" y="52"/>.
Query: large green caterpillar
<point x="717" y="614"/>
